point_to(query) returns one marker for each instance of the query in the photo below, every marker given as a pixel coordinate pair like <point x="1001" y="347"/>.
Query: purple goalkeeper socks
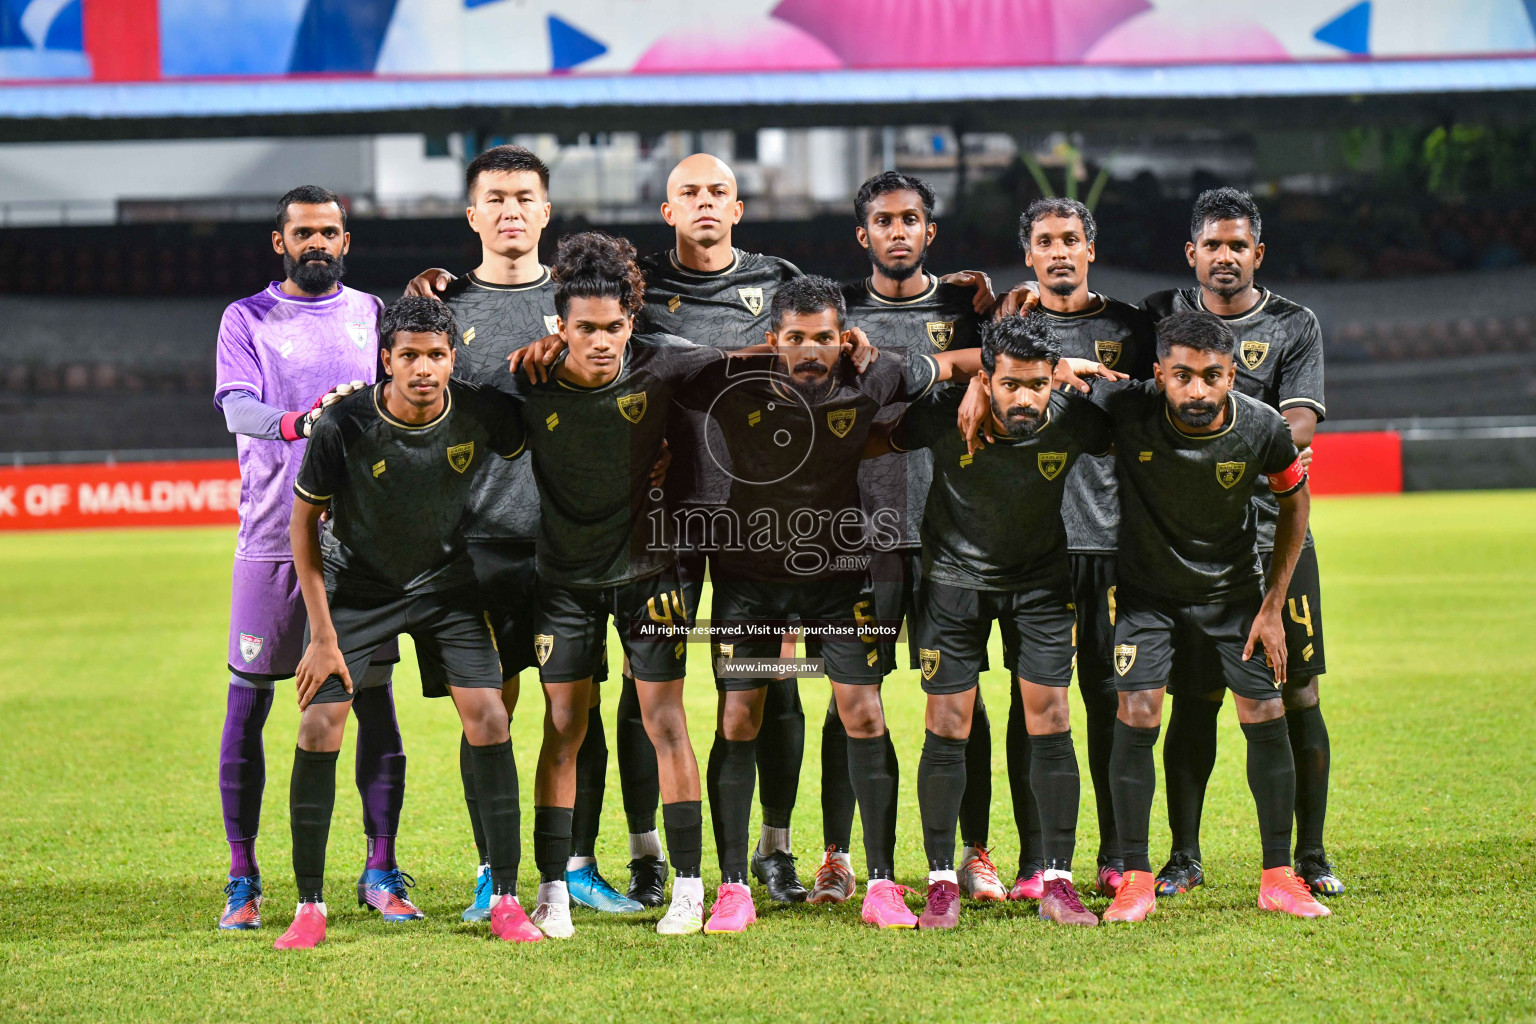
<point x="243" y="773"/>
<point x="380" y="771"/>
<point x="381" y="853"/>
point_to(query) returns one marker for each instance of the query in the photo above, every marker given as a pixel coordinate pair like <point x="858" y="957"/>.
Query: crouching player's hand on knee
<point x="322" y="659"/>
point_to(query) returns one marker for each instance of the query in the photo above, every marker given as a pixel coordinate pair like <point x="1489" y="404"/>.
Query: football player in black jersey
<point x="596" y="415"/>
<point x="996" y="548"/>
<point x="1059" y="239"/>
<point x="1191" y="449"/>
<point x="799" y="547"/>
<point x="1280" y="362"/>
<point x="712" y="293"/>
<point x="395" y="462"/>
<point x="906" y="309"/>
<point x="506" y="302"/>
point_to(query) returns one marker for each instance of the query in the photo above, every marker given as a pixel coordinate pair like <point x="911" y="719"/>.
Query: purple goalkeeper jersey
<point x="287" y="351"/>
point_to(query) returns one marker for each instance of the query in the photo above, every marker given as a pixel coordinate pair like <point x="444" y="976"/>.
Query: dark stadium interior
<point x="1417" y="249"/>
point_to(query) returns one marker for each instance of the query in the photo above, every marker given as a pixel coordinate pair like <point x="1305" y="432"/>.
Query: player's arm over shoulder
<point x="928" y="418"/>
<point x="325" y="458"/>
<point x="500" y="413"/>
<point x="1085" y="422"/>
<point x="1159" y="305"/>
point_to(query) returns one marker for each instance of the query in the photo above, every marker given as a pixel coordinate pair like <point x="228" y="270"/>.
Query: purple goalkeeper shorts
<point x="267" y="620"/>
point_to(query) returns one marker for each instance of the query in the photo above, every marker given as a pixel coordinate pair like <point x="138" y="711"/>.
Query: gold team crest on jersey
<point x="752" y="298"/>
<point x="840" y="421"/>
<point x="941" y="333"/>
<point x="461" y="455"/>
<point x="1108" y="352"/>
<point x="675" y="303"/>
<point x="632" y="407"/>
<point x="1051" y="464"/>
<point x="469" y="335"/>
<point x="543" y="644"/>
<point x="551" y="324"/>
<point x="929" y="660"/>
<point x="1229" y="473"/>
<point x="1253" y="353"/>
<point x="1125" y="657"/>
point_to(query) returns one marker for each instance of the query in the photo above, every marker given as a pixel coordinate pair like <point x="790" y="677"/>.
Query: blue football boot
<point x="590" y="889"/>
<point x="480" y="909"/>
<point x="242" y="904"/>
<point x="384" y="891"/>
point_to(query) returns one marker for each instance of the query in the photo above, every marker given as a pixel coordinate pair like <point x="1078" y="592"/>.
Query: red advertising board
<point x="208" y="492"/>
<point x="1367" y="462"/>
<point x="125" y="494"/>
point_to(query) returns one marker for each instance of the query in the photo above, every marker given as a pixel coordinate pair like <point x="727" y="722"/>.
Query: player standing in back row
<point x="278" y="350"/>
<point x="905" y="309"/>
<point x="1059" y="237"/>
<point x="1279" y="362"/>
<point x="708" y="291"/>
<point x="505" y="303"/>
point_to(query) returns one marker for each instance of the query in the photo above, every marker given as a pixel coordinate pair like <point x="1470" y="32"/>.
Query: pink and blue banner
<point x="125" y="40"/>
<point x="232" y="57"/>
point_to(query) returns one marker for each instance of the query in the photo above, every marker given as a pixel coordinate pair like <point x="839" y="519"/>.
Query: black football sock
<point x="1189" y="754"/>
<point x="1309" y="748"/>
<point x="1272" y="778"/>
<point x="551" y="842"/>
<point x="1101" y="708"/>
<point x="311" y="798"/>
<point x="1133" y="781"/>
<point x="732" y="774"/>
<point x="1026" y="812"/>
<point x="500" y="813"/>
<point x="875" y="776"/>
<point x="837" y="800"/>
<point x="684" y="822"/>
<point x="1053" y="777"/>
<point x="976" y="804"/>
<point x="467" y="775"/>
<point x="591" y="774"/>
<point x="639" y="781"/>
<point x="941" y="783"/>
<point x="780" y="750"/>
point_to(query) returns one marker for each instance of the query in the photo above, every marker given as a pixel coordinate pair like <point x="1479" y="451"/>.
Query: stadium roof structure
<point x="1278" y="93"/>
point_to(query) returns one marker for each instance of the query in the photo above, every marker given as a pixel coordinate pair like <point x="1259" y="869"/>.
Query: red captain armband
<point x="1288" y="479"/>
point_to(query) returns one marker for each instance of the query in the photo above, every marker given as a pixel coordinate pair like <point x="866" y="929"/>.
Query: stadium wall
<point x="202" y="492"/>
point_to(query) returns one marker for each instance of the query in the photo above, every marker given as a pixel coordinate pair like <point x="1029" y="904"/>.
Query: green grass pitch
<point x="112" y="853"/>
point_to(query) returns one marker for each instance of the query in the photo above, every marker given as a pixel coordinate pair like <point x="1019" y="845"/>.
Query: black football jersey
<point x="1118" y="335"/>
<point x="793" y="508"/>
<point x="721" y="309"/>
<point x="495" y="321"/>
<point x="1279" y="362"/>
<point x="940" y="319"/>
<point x="1188" y="522"/>
<point x="397" y="490"/>
<point x="601" y="523"/>
<point x="994" y="518"/>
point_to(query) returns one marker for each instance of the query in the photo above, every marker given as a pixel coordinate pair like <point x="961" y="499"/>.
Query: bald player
<point x="712" y="293"/>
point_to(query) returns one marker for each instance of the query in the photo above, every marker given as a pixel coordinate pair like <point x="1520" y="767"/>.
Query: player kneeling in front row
<point x="995" y="548"/>
<point x="395" y="462"/>
<point x="1189" y="449"/>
